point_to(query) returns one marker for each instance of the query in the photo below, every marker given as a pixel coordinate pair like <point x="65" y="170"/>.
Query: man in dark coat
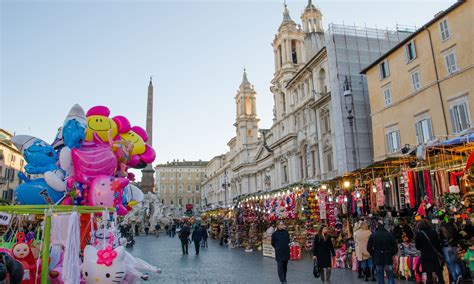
<point x="196" y="238"/>
<point x="427" y="242"/>
<point x="382" y="246"/>
<point x="449" y="237"/>
<point x="184" y="238"/>
<point x="205" y="235"/>
<point x="281" y="243"/>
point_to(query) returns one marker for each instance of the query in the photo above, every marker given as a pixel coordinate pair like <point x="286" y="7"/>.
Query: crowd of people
<point x="376" y="250"/>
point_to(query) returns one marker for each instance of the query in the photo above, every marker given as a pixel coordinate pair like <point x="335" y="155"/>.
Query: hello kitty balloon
<point x="108" y="191"/>
<point x="105" y="266"/>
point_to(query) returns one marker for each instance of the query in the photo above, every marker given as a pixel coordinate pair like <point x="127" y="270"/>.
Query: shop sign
<point x="267" y="248"/>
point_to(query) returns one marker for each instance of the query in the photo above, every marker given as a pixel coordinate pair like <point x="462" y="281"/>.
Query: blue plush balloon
<point x="74" y="133"/>
<point x="36" y="192"/>
<point x="41" y="157"/>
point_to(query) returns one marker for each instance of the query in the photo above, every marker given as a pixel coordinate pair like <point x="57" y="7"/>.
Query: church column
<point x="254" y="106"/>
<point x="275" y="53"/>
<point x="288" y="50"/>
<point x="284" y="50"/>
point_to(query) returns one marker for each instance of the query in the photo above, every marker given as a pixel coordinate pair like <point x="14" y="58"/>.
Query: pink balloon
<point x="103" y="189"/>
<point x="123" y="125"/>
<point x="93" y="160"/>
<point x="98" y="110"/>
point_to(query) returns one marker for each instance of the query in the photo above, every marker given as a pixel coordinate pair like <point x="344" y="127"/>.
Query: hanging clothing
<point x="411" y="189"/>
<point x="428" y="186"/>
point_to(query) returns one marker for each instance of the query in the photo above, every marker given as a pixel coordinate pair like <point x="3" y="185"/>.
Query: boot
<point x="328" y="276"/>
<point x="359" y="270"/>
<point x="373" y="275"/>
<point x="323" y="274"/>
<point x="367" y="274"/>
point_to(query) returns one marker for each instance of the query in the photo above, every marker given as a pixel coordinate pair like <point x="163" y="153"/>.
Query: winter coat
<point x="324" y="251"/>
<point x="361" y="238"/>
<point x="449" y="235"/>
<point x="429" y="259"/>
<point x="382" y="246"/>
<point x="204" y="233"/>
<point x="197" y="235"/>
<point x="281" y="243"/>
<point x="184" y="233"/>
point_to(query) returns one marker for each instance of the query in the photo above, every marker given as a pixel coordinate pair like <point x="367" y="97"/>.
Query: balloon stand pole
<point x="45" y="254"/>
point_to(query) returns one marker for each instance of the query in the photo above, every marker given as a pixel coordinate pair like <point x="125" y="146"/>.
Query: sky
<point x="58" y="53"/>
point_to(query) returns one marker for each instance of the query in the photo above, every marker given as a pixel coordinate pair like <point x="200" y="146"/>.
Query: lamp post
<point x="225" y="185"/>
<point x="349" y="103"/>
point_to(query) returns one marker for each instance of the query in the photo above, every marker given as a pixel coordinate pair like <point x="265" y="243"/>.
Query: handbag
<point x="316" y="272"/>
<point x="438" y="255"/>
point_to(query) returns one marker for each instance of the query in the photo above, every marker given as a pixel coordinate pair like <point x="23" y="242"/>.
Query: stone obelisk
<point x="148" y="179"/>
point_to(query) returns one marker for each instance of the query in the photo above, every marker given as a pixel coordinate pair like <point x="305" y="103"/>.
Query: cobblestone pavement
<point x="218" y="264"/>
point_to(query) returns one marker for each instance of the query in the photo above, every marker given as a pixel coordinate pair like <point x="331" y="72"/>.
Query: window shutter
<point x="454" y="123"/>
<point x="463" y="116"/>
<point x="398" y="140"/>
<point x="380" y="72"/>
<point x="387" y="69"/>
<point x="414" y="48"/>
<point x="418" y="132"/>
<point x="387" y="138"/>
<point x="430" y="129"/>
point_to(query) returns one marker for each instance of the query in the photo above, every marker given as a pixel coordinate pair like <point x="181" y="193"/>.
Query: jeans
<point x="451" y="255"/>
<point x="184" y="246"/>
<point x="368" y="263"/>
<point x="196" y="246"/>
<point x="380" y="274"/>
<point x="282" y="269"/>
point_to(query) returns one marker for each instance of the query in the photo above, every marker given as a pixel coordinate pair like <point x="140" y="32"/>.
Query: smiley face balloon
<point x="99" y="124"/>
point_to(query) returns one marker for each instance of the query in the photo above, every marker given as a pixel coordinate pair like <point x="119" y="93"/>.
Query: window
<point x="171" y="187"/>
<point x="283" y="102"/>
<point x="1" y="170"/>
<point x="326" y="122"/>
<point x="13" y="158"/>
<point x="180" y="187"/>
<point x="309" y="161"/>
<point x="189" y="188"/>
<point x="328" y="160"/>
<point x="387" y="96"/>
<point x="301" y="168"/>
<point x="294" y="58"/>
<point x="197" y="187"/>
<point x="459" y="116"/>
<point x="179" y="175"/>
<point x="393" y="141"/>
<point x="450" y="60"/>
<point x="384" y="71"/>
<point x="424" y="132"/>
<point x="1" y="153"/>
<point x="415" y="80"/>
<point x="180" y="201"/>
<point x="410" y="52"/>
<point x="444" y="30"/>
<point x="285" y="173"/>
<point x="190" y="201"/>
<point x="163" y="187"/>
<point x="5" y="195"/>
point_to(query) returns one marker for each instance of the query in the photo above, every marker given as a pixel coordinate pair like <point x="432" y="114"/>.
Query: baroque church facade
<point x="310" y="139"/>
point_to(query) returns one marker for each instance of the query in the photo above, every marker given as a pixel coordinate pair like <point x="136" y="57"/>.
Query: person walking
<point x="402" y="228"/>
<point x="221" y="235"/>
<point x="323" y="252"/>
<point x="449" y="237"/>
<point x="147" y="228"/>
<point x="167" y="229"/>
<point x="382" y="246"/>
<point x="184" y="238"/>
<point x="196" y="238"/>
<point x="157" y="229"/>
<point x="281" y="243"/>
<point x="205" y="235"/>
<point x="427" y="242"/>
<point x="361" y="238"/>
<point x="173" y="230"/>
<point x="136" y="229"/>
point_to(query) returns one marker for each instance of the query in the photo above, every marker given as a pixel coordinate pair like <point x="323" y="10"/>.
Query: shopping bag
<point x="316" y="272"/>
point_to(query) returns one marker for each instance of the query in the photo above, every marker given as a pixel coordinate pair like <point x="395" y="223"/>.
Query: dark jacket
<point x="429" y="259"/>
<point x="323" y="250"/>
<point x="184" y="233"/>
<point x="399" y="230"/>
<point x="204" y="233"/>
<point x="281" y="243"/>
<point x="382" y="246"/>
<point x="197" y="235"/>
<point x="449" y="235"/>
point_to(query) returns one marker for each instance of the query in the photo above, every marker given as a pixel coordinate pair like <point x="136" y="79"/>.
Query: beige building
<point x="179" y="184"/>
<point x="422" y="89"/>
<point x="11" y="162"/>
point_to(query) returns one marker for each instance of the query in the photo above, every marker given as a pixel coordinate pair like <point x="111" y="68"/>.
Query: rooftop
<point x="410" y="37"/>
<point x="182" y="164"/>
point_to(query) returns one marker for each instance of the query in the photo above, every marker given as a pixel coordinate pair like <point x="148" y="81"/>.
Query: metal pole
<point x="354" y="157"/>
<point x="225" y="189"/>
<point x="45" y="253"/>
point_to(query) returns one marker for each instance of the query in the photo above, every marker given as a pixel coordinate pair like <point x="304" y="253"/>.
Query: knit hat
<point x="77" y="113"/>
<point x="23" y="142"/>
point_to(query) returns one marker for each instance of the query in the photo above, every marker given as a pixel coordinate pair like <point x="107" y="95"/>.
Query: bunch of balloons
<point x="87" y="164"/>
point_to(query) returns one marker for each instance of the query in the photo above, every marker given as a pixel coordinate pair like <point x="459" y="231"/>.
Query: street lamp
<point x="225" y="185"/>
<point x="349" y="103"/>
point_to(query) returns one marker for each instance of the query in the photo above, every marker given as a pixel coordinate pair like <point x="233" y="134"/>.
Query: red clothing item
<point x="429" y="194"/>
<point x="411" y="189"/>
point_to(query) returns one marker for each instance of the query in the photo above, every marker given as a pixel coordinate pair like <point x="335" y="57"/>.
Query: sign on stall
<point x="268" y="250"/>
<point x="5" y="218"/>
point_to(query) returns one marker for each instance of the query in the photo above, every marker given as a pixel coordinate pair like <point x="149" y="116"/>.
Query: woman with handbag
<point x="323" y="252"/>
<point x="427" y="242"/>
<point x="361" y="238"/>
